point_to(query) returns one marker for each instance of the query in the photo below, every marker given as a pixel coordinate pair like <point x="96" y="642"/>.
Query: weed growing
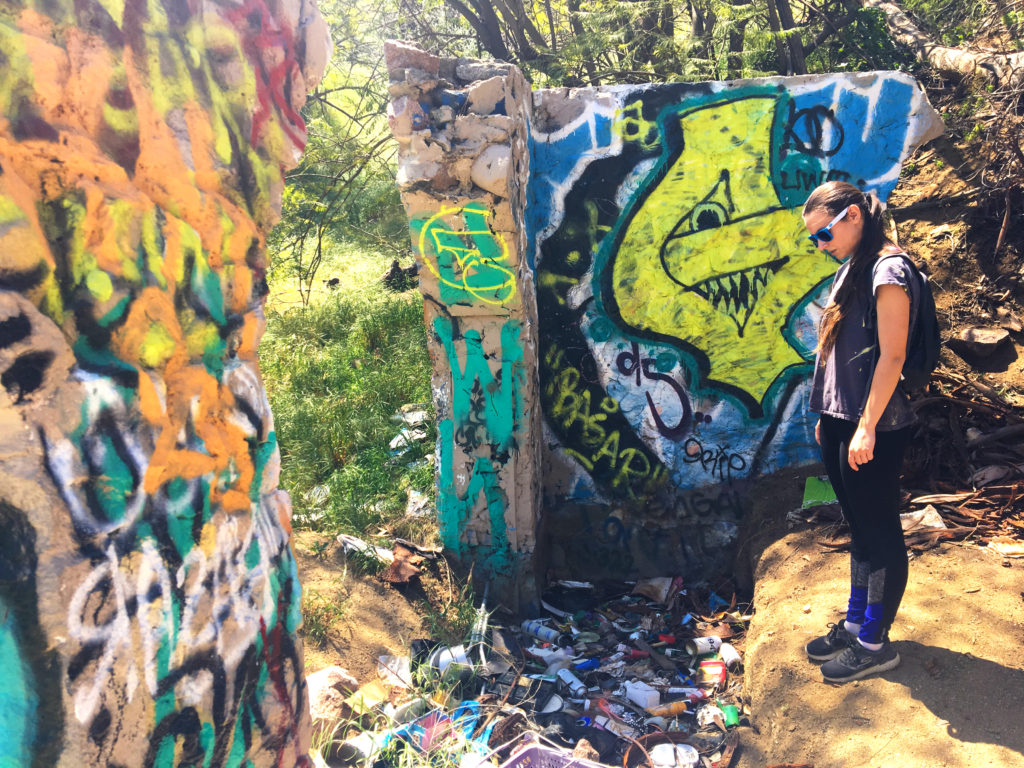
<point x="450" y="622"/>
<point x="319" y="614"/>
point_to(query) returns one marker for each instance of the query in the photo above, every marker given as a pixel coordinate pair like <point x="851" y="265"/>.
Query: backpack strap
<point x="872" y="319"/>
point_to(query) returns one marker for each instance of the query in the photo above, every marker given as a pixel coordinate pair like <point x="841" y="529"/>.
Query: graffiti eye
<point x="708" y="215"/>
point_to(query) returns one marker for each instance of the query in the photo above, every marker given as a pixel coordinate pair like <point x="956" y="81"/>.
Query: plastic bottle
<point x="671" y="709"/>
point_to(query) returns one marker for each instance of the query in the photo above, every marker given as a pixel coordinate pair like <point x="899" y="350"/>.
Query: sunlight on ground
<point x="357" y="271"/>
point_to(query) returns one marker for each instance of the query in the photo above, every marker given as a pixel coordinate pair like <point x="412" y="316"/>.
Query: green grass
<point x="336" y="372"/>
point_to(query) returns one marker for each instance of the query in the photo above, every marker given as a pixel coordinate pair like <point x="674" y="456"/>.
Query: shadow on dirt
<point x="954" y="681"/>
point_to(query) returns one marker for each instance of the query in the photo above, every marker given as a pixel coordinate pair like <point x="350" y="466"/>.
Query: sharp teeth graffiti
<point x="678" y="293"/>
<point x="708" y="255"/>
<point x="149" y="601"/>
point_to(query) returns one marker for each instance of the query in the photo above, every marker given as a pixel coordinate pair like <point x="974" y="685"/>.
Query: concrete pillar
<point x="462" y="129"/>
<point x="149" y="601"/>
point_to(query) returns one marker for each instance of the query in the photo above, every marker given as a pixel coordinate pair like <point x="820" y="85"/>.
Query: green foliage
<point x="864" y="44"/>
<point x="365" y="562"/>
<point x="450" y="623"/>
<point x="951" y="22"/>
<point x="336" y="371"/>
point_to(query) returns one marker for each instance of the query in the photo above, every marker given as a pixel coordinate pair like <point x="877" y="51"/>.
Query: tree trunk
<point x="486" y="26"/>
<point x="796" y="47"/>
<point x="703" y="20"/>
<point x="734" y="62"/>
<point x="1000" y="69"/>
<point x="781" y="49"/>
<point x="573" y="6"/>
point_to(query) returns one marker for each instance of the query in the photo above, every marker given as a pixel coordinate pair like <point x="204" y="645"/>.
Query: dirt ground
<point x="957" y="698"/>
<point x="374" y="618"/>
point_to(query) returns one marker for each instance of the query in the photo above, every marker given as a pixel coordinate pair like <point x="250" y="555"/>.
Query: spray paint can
<point x="573" y="683"/>
<point x="730" y="656"/>
<point x="702" y="645"/>
<point x="540" y="630"/>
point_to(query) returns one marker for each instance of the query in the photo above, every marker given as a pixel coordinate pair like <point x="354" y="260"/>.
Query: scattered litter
<point x="633" y="674"/>
<point x="418" y="504"/>
<point x="405" y="440"/>
<point x="404" y="566"/>
<point x="1006" y="546"/>
<point x="926" y="517"/>
<point x="659" y="589"/>
<point x="353" y="545"/>
<point x="818" y="492"/>
<point x="412" y="414"/>
<point x="395" y="670"/>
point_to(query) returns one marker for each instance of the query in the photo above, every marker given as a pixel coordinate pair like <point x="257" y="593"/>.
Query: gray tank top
<point x="841" y="382"/>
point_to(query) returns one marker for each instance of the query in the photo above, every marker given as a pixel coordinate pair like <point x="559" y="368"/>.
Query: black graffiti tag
<point x="630" y="363"/>
<point x="808" y="130"/>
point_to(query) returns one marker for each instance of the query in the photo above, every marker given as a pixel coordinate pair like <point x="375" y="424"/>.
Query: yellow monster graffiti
<point x="709" y="256"/>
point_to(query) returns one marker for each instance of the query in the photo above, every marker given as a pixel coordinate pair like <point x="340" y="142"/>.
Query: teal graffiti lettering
<point x="454" y="511"/>
<point x="503" y="403"/>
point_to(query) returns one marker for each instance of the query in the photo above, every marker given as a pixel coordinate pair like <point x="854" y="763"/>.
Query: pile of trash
<point x="648" y="673"/>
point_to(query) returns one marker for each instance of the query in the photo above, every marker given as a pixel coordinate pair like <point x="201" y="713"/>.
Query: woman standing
<point x="865" y="418"/>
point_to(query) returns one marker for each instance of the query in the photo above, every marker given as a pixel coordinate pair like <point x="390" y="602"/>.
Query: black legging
<point x="870" y="498"/>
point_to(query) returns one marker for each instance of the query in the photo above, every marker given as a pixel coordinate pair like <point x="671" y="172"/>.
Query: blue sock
<point x="871" y="628"/>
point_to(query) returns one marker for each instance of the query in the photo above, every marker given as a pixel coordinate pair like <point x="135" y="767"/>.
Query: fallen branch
<point x="999" y="434"/>
<point x="1000" y="69"/>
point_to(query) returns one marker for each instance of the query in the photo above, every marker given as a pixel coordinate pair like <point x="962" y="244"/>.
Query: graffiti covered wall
<point x="148" y="595"/>
<point x="676" y="292"/>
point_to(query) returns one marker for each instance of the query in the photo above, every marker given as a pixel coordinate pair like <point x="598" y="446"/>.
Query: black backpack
<point x="925" y="341"/>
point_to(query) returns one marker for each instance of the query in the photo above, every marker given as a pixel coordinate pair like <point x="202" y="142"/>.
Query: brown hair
<point x="832" y="197"/>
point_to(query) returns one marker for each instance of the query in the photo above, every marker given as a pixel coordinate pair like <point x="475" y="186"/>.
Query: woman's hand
<point x="862" y="447"/>
<point x="817" y="432"/>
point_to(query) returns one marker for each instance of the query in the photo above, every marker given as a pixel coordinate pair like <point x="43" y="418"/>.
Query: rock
<point x="1008" y="320"/>
<point x="978" y="341"/>
<point x="328" y="690"/>
<point x="406" y="116"/>
<point x="421" y="163"/>
<point x="490" y="170"/>
<point x="400" y="55"/>
<point x="487" y="97"/>
<point x="468" y="70"/>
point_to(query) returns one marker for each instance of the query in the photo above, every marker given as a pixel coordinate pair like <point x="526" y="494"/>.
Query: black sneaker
<point x="857" y="662"/>
<point x="831" y="645"/>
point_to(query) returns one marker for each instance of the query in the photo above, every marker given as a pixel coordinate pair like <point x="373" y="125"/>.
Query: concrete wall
<point x="678" y="297"/>
<point x="676" y="293"/>
<point x="148" y="596"/>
